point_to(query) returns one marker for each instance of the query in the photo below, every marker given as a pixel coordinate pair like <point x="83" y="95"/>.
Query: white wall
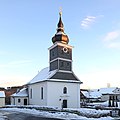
<point x="14" y="100"/>
<point x="105" y="97"/>
<point x="55" y="93"/>
<point x="2" y="102"/>
<point x="118" y="97"/>
<point x="36" y="94"/>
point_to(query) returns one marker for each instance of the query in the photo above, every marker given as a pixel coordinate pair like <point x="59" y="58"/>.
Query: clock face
<point x="65" y="50"/>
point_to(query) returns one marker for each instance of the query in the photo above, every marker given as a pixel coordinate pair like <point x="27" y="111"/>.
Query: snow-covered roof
<point x="21" y="93"/>
<point x="44" y="74"/>
<point x="107" y="90"/>
<point x="60" y="33"/>
<point x="2" y="94"/>
<point x="92" y="94"/>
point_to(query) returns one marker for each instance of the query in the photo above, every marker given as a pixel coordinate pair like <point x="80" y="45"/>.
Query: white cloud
<point x="112" y="35"/>
<point x="112" y="39"/>
<point x="87" y="21"/>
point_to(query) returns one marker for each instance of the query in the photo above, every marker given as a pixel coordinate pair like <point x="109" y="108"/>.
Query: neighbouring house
<point x="110" y="93"/>
<point x="2" y="89"/>
<point x="20" y="97"/>
<point x="2" y="98"/>
<point x="88" y="96"/>
<point x="56" y="85"/>
<point x="9" y="91"/>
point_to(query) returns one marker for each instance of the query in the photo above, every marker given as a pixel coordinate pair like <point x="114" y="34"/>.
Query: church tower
<point x="56" y="85"/>
<point x="61" y="54"/>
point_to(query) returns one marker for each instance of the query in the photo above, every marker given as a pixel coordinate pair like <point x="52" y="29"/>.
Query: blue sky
<point x="93" y="27"/>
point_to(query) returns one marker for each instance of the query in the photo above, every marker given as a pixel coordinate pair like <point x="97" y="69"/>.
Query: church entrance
<point x="25" y="101"/>
<point x="64" y="103"/>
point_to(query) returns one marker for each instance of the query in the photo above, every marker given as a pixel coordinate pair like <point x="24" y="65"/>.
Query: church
<point x="56" y="85"/>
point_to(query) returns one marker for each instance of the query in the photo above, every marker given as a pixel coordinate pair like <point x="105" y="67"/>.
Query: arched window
<point x="41" y="92"/>
<point x="31" y="93"/>
<point x="64" y="90"/>
<point x="18" y="100"/>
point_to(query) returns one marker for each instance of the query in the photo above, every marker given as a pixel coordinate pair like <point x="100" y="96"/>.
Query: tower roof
<point x="60" y="24"/>
<point x="60" y="36"/>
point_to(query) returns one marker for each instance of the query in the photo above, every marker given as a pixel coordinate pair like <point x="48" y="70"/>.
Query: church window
<point x="18" y="100"/>
<point x="41" y="92"/>
<point x="31" y="93"/>
<point x="65" y="90"/>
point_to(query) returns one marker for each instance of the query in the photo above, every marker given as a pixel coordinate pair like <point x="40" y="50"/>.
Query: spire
<point x="60" y="23"/>
<point x="60" y="36"/>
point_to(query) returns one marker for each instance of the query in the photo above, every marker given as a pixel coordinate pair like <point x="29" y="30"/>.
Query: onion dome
<point x="60" y="36"/>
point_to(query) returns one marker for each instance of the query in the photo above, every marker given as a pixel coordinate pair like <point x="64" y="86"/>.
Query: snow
<point x="21" y="93"/>
<point x="92" y="94"/>
<point x="43" y="75"/>
<point x="91" y="112"/>
<point x="2" y="94"/>
<point x="107" y="90"/>
<point x="60" y="33"/>
<point x="103" y="104"/>
<point x="2" y="117"/>
<point x="62" y="115"/>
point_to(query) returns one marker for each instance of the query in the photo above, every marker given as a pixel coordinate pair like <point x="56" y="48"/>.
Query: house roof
<point x="107" y="90"/>
<point x="2" y="94"/>
<point x="45" y="74"/>
<point x="21" y="93"/>
<point x="91" y="94"/>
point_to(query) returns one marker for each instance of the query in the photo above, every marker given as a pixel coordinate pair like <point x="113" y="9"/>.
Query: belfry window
<point x="64" y="90"/>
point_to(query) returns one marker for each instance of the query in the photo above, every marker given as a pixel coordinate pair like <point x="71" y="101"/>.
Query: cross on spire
<point x="60" y="13"/>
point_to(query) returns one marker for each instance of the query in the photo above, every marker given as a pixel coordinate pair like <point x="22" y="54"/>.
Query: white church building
<point x="56" y="85"/>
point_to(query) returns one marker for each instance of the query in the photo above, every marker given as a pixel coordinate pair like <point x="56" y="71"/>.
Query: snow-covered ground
<point x="62" y="115"/>
<point x="2" y="117"/>
<point x="103" y="104"/>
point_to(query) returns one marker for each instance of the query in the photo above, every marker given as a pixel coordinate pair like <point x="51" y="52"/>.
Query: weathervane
<point x="60" y="13"/>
